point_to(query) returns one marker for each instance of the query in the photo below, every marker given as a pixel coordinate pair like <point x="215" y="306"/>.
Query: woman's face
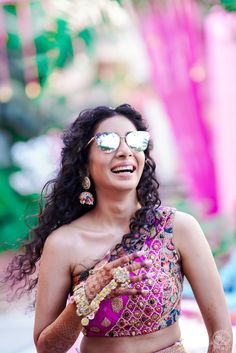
<point x="112" y="170"/>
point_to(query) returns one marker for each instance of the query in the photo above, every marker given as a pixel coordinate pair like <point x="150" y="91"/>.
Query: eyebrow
<point x="104" y="132"/>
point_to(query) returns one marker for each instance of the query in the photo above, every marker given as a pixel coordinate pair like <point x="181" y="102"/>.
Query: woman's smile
<point x="124" y="170"/>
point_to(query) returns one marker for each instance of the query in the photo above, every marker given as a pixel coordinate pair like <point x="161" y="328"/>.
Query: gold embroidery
<point x="95" y="329"/>
<point x="106" y="322"/>
<point x="117" y="304"/>
<point x="153" y="232"/>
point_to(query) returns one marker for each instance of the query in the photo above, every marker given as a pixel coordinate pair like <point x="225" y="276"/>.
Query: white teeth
<point x="128" y="168"/>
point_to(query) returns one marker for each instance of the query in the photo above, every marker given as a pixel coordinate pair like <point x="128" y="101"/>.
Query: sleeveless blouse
<point x="160" y="307"/>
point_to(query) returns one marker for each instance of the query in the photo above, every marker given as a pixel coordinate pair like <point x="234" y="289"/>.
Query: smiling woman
<point x="105" y="243"/>
<point x="119" y="162"/>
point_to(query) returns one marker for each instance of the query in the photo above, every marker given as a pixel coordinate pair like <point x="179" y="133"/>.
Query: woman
<point x="104" y="239"/>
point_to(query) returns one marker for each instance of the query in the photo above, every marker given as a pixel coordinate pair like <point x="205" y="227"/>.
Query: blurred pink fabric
<point x="220" y="29"/>
<point x="173" y="36"/>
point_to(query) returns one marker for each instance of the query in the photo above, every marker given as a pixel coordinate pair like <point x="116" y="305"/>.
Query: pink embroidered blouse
<point x="138" y="315"/>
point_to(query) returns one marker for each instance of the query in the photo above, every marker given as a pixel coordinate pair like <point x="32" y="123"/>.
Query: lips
<point x="123" y="168"/>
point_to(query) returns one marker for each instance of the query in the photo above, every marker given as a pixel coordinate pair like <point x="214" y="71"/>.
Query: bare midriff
<point x="148" y="343"/>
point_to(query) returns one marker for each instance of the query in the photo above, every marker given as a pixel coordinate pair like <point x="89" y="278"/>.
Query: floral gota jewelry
<point x="85" y="197"/>
<point x="88" y="310"/>
<point x="121" y="275"/>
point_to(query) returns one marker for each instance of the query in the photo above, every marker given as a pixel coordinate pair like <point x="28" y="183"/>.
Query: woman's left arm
<point x="200" y="269"/>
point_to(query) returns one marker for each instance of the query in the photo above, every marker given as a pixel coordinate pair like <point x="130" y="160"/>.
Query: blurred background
<point x="175" y="62"/>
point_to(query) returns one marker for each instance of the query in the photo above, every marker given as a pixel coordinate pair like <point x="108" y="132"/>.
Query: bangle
<point x="83" y="308"/>
<point x="82" y="304"/>
<point x="88" y="310"/>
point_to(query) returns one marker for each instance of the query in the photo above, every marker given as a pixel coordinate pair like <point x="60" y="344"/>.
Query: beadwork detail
<point x="117" y="304"/>
<point x="86" y="198"/>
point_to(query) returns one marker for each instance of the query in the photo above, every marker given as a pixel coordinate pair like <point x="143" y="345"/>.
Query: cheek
<point x="97" y="164"/>
<point x="141" y="162"/>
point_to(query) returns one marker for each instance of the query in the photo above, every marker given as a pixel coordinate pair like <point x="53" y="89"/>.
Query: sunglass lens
<point x="107" y="141"/>
<point x="138" y="140"/>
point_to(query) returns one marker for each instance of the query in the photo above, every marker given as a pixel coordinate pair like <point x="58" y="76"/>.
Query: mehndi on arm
<point x="221" y="342"/>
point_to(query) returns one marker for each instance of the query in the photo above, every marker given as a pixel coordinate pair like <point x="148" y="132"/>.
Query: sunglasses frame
<point x="121" y="137"/>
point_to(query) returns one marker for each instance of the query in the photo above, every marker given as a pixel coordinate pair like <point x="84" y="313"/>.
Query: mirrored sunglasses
<point x="109" y="141"/>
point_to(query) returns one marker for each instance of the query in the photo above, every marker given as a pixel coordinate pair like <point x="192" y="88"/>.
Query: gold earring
<point x="85" y="197"/>
<point x="86" y="183"/>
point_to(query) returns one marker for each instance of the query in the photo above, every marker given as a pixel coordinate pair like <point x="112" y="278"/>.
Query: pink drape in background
<point x="173" y="38"/>
<point x="220" y="29"/>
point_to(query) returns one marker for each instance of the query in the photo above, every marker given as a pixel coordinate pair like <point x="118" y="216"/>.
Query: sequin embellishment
<point x="117" y="304"/>
<point x="106" y="322"/>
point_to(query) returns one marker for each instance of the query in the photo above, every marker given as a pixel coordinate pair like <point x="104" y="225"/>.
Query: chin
<point x="125" y="186"/>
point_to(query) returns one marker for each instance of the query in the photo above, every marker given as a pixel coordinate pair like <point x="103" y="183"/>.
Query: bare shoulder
<point x="61" y="239"/>
<point x="65" y="243"/>
<point x="188" y="233"/>
<point x="75" y="244"/>
<point x="184" y="222"/>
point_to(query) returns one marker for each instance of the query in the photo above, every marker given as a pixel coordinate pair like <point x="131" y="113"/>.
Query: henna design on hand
<point x="62" y="333"/>
<point x="101" y="276"/>
<point x="59" y="338"/>
<point x="221" y="342"/>
<point x="96" y="282"/>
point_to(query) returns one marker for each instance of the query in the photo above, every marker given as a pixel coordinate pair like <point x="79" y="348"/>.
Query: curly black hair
<point x="59" y="198"/>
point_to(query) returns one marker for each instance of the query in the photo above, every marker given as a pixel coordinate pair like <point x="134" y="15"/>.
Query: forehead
<point x="119" y="124"/>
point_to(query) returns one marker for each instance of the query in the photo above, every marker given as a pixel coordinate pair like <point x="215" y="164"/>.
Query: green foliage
<point x="53" y="47"/>
<point x="229" y="5"/>
<point x="13" y="210"/>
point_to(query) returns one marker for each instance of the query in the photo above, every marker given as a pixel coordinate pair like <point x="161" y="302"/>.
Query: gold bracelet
<point x="88" y="311"/>
<point x="82" y="304"/>
<point x="83" y="308"/>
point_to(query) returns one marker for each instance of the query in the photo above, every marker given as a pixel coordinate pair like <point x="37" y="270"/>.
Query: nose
<point x="123" y="150"/>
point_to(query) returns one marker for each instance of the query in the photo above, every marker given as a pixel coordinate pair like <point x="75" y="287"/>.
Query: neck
<point x="116" y="208"/>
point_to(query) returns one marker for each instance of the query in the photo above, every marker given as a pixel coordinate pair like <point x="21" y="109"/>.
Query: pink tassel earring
<point x="85" y="197"/>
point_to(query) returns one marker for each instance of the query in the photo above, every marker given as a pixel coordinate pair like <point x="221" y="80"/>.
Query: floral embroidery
<point x="161" y="307"/>
<point x="135" y="315"/>
<point x="117" y="304"/>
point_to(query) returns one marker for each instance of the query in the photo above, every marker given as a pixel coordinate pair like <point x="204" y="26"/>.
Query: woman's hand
<point x="101" y="276"/>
